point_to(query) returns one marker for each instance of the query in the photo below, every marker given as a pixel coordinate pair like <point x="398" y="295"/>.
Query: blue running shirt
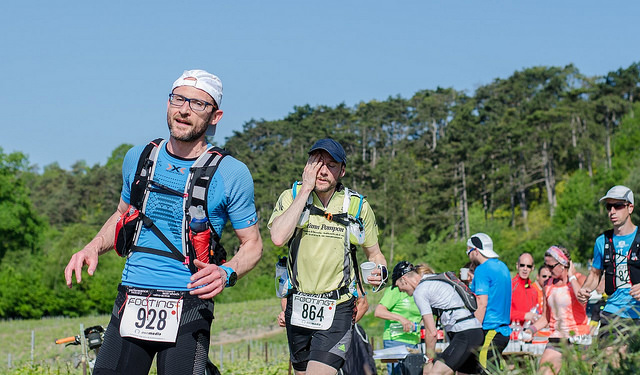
<point x="230" y="198"/>
<point x="492" y="278"/>
<point x="620" y="302"/>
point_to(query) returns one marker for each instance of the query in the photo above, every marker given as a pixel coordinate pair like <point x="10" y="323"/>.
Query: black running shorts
<point x="462" y="352"/>
<point x="328" y="347"/>
<point x="188" y="355"/>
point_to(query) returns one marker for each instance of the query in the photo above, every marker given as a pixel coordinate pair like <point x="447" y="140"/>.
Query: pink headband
<point x="558" y="255"/>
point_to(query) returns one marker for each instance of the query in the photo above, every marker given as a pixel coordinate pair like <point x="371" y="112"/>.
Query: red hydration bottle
<point x="200" y="234"/>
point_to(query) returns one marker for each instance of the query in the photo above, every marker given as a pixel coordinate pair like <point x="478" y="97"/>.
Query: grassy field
<point x="245" y="340"/>
<point x="240" y="329"/>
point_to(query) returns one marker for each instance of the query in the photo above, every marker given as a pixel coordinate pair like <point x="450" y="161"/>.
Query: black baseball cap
<point x="333" y="148"/>
<point x="402" y="268"/>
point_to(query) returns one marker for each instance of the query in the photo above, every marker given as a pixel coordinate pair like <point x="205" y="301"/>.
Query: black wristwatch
<point x="232" y="276"/>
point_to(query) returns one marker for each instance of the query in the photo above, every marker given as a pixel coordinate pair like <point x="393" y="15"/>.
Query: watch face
<point x="233" y="277"/>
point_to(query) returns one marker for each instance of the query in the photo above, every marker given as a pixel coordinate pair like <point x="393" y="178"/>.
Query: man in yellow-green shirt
<point x="320" y="220"/>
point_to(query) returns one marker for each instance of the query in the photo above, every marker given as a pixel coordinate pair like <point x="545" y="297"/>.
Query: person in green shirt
<point x="402" y="319"/>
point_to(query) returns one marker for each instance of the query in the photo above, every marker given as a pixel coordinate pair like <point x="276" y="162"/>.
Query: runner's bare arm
<point x="375" y="255"/>
<point x="213" y="278"/>
<point x="590" y="284"/>
<point x="362" y="305"/>
<point x="430" y="334"/>
<point x="383" y="312"/>
<point x="284" y="225"/>
<point x="635" y="292"/>
<point x="250" y="250"/>
<point x="100" y="244"/>
<point x="482" y="299"/>
<point x="539" y="324"/>
<point x="281" y="319"/>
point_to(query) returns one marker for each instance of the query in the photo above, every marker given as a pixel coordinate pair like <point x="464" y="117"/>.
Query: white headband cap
<point x="202" y="80"/>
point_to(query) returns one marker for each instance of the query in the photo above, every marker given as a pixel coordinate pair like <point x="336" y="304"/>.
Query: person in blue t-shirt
<point x="492" y="286"/>
<point x="164" y="305"/>
<point x="615" y="255"/>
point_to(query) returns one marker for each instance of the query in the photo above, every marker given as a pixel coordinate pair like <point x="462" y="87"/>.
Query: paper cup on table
<point x="367" y="268"/>
<point x="464" y="274"/>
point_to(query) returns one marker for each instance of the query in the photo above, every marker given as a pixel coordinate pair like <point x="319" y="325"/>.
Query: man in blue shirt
<point x="616" y="256"/>
<point x="161" y="307"/>
<point x="492" y="286"/>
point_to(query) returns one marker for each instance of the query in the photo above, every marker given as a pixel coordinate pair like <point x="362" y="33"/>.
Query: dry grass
<point x="235" y="324"/>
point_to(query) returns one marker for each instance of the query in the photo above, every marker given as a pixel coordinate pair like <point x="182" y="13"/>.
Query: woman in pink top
<point x="565" y="316"/>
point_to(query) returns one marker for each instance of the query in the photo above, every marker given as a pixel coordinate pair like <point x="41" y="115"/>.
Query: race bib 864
<point x="313" y="312"/>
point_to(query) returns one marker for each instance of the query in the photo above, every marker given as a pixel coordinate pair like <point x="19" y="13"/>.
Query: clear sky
<point x="79" y="78"/>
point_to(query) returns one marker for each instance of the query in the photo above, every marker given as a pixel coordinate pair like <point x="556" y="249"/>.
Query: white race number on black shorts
<point x="154" y="317"/>
<point x="311" y="311"/>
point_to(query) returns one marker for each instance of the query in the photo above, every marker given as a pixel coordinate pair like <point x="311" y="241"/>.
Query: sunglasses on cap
<point x="470" y="250"/>
<point x="529" y="266"/>
<point x="401" y="269"/>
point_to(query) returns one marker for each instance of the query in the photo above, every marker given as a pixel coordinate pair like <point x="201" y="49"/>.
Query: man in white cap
<point x="616" y="255"/>
<point x="492" y="286"/>
<point x="176" y="197"/>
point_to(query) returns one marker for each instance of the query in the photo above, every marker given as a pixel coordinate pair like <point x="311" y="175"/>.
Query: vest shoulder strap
<point x="352" y="203"/>
<point x="144" y="171"/>
<point x="201" y="175"/>
<point x="609" y="249"/>
<point x="609" y="261"/>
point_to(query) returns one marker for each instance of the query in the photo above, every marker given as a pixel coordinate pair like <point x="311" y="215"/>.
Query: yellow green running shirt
<point x="321" y="254"/>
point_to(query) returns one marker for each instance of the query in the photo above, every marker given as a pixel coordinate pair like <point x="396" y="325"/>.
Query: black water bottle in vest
<point x="200" y="235"/>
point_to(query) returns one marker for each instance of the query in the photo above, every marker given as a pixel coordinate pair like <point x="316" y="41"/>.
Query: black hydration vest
<point x="345" y="218"/>
<point x="610" y="266"/>
<point x="195" y="194"/>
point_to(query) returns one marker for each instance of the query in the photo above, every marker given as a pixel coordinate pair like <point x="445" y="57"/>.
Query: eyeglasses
<point x="529" y="266"/>
<point x="551" y="266"/>
<point x="177" y="100"/>
<point x="617" y="206"/>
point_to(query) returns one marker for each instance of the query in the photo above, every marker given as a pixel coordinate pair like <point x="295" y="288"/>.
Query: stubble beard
<point x="327" y="189"/>
<point x="190" y="136"/>
<point x="324" y="189"/>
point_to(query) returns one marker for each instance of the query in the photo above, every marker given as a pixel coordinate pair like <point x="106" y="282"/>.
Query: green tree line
<point x="524" y="159"/>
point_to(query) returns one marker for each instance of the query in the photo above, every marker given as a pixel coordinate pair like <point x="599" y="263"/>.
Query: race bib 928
<point x="154" y="317"/>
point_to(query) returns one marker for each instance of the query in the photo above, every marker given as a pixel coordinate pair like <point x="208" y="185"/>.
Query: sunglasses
<point x="384" y="273"/>
<point x="551" y="266"/>
<point x="529" y="266"/>
<point x="545" y="276"/>
<point x="470" y="250"/>
<point x="617" y="206"/>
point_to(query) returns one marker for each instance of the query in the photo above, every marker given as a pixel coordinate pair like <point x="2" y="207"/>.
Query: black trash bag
<point x="360" y="355"/>
<point x="411" y="365"/>
<point x="211" y="369"/>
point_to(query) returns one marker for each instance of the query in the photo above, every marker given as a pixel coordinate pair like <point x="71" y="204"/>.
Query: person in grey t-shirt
<point x="437" y="298"/>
